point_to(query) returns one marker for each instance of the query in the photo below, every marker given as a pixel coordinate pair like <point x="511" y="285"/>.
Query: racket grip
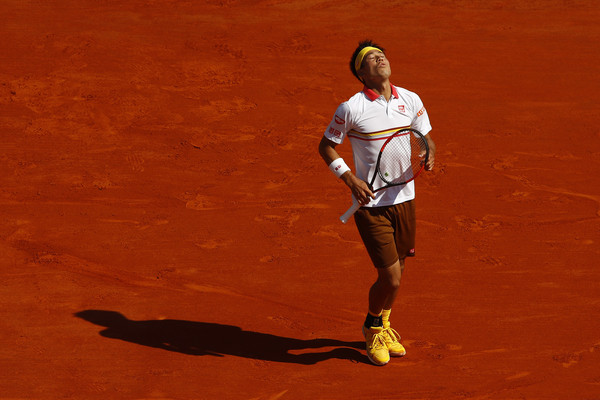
<point x="344" y="218"/>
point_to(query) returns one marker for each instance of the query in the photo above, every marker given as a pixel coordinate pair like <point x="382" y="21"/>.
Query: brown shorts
<point x="388" y="232"/>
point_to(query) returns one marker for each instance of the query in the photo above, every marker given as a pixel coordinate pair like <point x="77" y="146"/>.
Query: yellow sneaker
<point x="377" y="350"/>
<point x="392" y="341"/>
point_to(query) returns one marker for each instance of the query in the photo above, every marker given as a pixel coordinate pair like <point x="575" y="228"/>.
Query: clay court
<point x="169" y="231"/>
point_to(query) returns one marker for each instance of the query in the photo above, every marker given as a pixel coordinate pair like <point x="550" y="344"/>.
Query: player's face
<point x="376" y="65"/>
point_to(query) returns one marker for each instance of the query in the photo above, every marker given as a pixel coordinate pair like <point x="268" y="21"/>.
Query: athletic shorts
<point x="388" y="232"/>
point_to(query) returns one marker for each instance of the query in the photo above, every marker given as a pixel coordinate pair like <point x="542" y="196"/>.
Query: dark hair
<point x="361" y="45"/>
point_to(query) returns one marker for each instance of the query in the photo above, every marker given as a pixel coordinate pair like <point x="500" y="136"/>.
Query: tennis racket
<point x="401" y="159"/>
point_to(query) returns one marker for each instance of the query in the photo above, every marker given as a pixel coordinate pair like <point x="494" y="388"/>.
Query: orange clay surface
<point x="168" y="230"/>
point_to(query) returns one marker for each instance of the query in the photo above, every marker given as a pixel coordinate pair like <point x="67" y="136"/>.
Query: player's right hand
<point x="360" y="189"/>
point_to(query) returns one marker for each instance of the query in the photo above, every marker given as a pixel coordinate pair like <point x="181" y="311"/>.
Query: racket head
<point x="402" y="157"/>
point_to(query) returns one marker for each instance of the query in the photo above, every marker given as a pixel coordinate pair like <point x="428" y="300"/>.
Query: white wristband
<point x="338" y="167"/>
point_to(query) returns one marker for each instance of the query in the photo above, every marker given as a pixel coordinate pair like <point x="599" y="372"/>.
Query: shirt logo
<point x="421" y="111"/>
<point x="339" y="120"/>
<point x="401" y="108"/>
<point x="335" y="132"/>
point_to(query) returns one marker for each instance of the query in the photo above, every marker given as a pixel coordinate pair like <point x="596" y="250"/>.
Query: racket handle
<point x="355" y="206"/>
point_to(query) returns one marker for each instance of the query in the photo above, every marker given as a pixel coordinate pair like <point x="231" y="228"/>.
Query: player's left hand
<point x="430" y="161"/>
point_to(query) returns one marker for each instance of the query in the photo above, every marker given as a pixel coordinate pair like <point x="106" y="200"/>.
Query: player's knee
<point x="390" y="277"/>
<point x="390" y="283"/>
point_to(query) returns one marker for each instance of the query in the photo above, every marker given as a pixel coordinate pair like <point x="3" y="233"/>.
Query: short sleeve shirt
<point x="368" y="119"/>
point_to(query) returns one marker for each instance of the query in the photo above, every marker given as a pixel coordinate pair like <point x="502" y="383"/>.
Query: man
<point x="386" y="221"/>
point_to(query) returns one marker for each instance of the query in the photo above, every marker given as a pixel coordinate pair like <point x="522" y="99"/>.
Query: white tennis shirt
<point x="368" y="119"/>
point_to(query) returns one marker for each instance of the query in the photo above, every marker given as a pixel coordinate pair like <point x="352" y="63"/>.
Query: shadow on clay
<point x="211" y="339"/>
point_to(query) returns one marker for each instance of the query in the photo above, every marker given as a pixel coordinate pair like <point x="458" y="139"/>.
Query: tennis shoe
<point x="392" y="341"/>
<point x="377" y="350"/>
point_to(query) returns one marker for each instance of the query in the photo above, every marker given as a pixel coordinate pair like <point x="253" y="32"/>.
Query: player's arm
<point x="431" y="160"/>
<point x="360" y="189"/>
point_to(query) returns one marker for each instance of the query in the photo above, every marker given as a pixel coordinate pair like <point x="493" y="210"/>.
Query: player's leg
<point x="382" y="294"/>
<point x="397" y="274"/>
<point x="384" y="291"/>
<point x="380" y="343"/>
<point x="404" y="223"/>
<point x="377" y="233"/>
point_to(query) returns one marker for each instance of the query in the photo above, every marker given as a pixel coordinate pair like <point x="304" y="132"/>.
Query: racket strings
<point x="402" y="159"/>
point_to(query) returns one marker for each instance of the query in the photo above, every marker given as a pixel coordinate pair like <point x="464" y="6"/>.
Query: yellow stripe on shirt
<point x="380" y="135"/>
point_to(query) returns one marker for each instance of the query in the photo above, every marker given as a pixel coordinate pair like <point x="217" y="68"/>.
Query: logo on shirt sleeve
<point x="335" y="132"/>
<point x="339" y="120"/>
<point x="421" y="111"/>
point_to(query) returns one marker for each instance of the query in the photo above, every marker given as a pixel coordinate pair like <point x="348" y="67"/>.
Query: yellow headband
<point x="359" y="58"/>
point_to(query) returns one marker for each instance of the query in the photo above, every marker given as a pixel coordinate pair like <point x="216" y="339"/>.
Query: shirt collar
<point x="371" y="95"/>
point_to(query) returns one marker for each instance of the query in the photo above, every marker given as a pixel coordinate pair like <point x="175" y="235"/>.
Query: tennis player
<point x="386" y="221"/>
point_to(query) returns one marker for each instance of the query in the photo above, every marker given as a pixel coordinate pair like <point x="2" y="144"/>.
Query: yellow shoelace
<point x="378" y="341"/>
<point x="391" y="335"/>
